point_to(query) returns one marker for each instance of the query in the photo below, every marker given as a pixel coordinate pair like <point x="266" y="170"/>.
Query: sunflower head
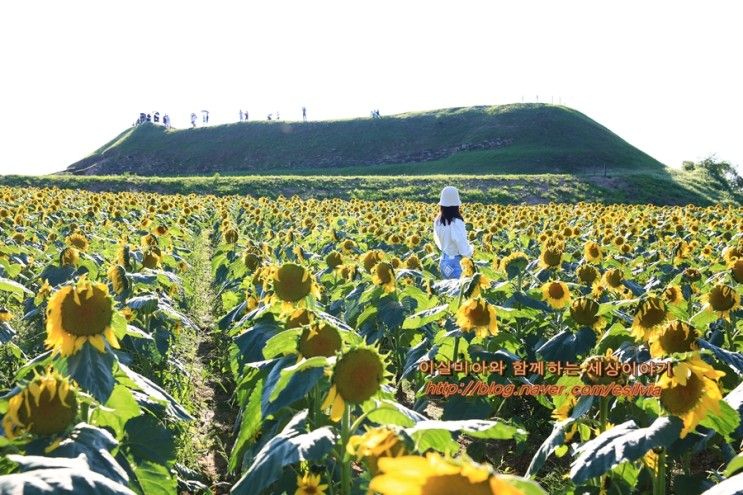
<point x="5" y="315"/>
<point x="594" y="369"/>
<point x="358" y="375"/>
<point x="251" y="260"/>
<point x="676" y="336"/>
<point x="123" y="256"/>
<point x="468" y="267"/>
<point x="333" y="259"/>
<point x="690" y="391"/>
<point x="585" y="312"/>
<point x="651" y="313"/>
<point x="413" y="263"/>
<point x="78" y="241"/>
<point x="77" y="314"/>
<point x="514" y="263"/>
<point x="673" y="295"/>
<point x="438" y="475"/>
<point x="479" y="316"/>
<point x="722" y="299"/>
<point x="383" y="275"/>
<point x="556" y="294"/>
<point x="736" y="270"/>
<point x="319" y="338"/>
<point x="587" y="274"/>
<point x="230" y="235"/>
<point x="592" y="252"/>
<point x="551" y="257"/>
<point x="69" y="256"/>
<point x="151" y="258"/>
<point x="299" y="318"/>
<point x="310" y="484"/>
<point x="118" y="279"/>
<point x="613" y="278"/>
<point x="292" y="283"/>
<point x="383" y="441"/>
<point x="370" y="259"/>
<point x="46" y="405"/>
<point x="691" y="275"/>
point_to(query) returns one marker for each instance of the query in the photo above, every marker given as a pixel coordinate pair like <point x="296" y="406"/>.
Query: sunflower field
<point x="162" y="344"/>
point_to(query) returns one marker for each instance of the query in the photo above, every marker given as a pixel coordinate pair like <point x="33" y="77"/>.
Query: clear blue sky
<point x="664" y="75"/>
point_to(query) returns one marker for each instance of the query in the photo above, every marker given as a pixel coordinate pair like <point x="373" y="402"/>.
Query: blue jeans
<point x="449" y="266"/>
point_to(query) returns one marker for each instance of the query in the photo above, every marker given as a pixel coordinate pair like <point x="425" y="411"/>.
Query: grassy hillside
<point x="521" y="138"/>
<point x="671" y="187"/>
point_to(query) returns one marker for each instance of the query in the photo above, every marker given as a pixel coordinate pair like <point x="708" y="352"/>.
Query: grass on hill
<point x="505" y="139"/>
<point x="667" y="187"/>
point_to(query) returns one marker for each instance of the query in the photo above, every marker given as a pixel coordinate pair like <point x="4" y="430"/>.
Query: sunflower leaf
<point x="290" y="446"/>
<point x="16" y="289"/>
<point x="93" y="371"/>
<point x="623" y="442"/>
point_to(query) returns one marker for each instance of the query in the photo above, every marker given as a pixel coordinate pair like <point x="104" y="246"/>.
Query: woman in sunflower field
<point x="450" y="233"/>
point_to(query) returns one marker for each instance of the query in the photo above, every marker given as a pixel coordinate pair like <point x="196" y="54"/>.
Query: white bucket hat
<point x="450" y="197"/>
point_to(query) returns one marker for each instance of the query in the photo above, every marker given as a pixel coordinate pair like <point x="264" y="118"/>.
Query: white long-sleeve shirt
<point x="452" y="238"/>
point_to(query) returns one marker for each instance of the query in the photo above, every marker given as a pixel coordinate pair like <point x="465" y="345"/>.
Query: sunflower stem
<point x="344" y="459"/>
<point x="660" y="480"/>
<point x="456" y="348"/>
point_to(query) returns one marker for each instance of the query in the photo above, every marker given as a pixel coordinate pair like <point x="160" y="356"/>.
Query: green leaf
<point x="18" y="290"/>
<point x="433" y="434"/>
<point x="282" y="344"/>
<point x="724" y="422"/>
<point x="148" y="440"/>
<point x="730" y="486"/>
<point x="392" y="412"/>
<point x="285" y="385"/>
<point x="623" y="442"/>
<point x="289" y="447"/>
<point x="62" y="481"/>
<point x="702" y="319"/>
<point x="144" y="304"/>
<point x="250" y="425"/>
<point x="119" y="325"/>
<point x="735" y="465"/>
<point x="425" y="317"/>
<point x="154" y="478"/>
<point x="93" y="371"/>
<point x="121" y="407"/>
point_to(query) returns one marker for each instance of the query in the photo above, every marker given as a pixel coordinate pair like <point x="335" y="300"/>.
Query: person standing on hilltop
<point x="304" y="114"/>
<point x="193" y="119"/>
<point x="450" y="234"/>
<point x="241" y="115"/>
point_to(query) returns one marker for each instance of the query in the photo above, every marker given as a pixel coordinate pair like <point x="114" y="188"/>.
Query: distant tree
<point x="688" y="165"/>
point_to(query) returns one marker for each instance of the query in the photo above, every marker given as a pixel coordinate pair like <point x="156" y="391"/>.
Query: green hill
<point x="519" y="138"/>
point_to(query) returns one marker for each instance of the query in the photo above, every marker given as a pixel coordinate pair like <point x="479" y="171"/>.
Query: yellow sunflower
<point x="383" y="275"/>
<point x="676" y="336"/>
<point x="593" y="370"/>
<point x="479" y="316"/>
<point x="592" y="252"/>
<point x="514" y="263"/>
<point x="722" y="299"/>
<point x="587" y="274"/>
<point x="46" y="405"/>
<point x="5" y="315"/>
<point x="467" y="266"/>
<point x="333" y="259"/>
<point x="584" y="311"/>
<point x="292" y="283"/>
<point x="117" y="277"/>
<point x="309" y="484"/>
<point x="413" y="263"/>
<point x="382" y="441"/>
<point x="357" y="376"/>
<point x="77" y="314"/>
<point x="551" y="257"/>
<point x="78" y="241"/>
<point x="651" y="313"/>
<point x="673" y="295"/>
<point x="563" y="412"/>
<point x="371" y="258"/>
<point x="556" y="294"/>
<point x="736" y="270"/>
<point x="438" y="475"/>
<point x="319" y="339"/>
<point x="691" y="391"/>
<point x="613" y="278"/>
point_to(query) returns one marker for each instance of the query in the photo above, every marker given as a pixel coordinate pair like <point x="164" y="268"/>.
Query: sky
<point x="663" y="75"/>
